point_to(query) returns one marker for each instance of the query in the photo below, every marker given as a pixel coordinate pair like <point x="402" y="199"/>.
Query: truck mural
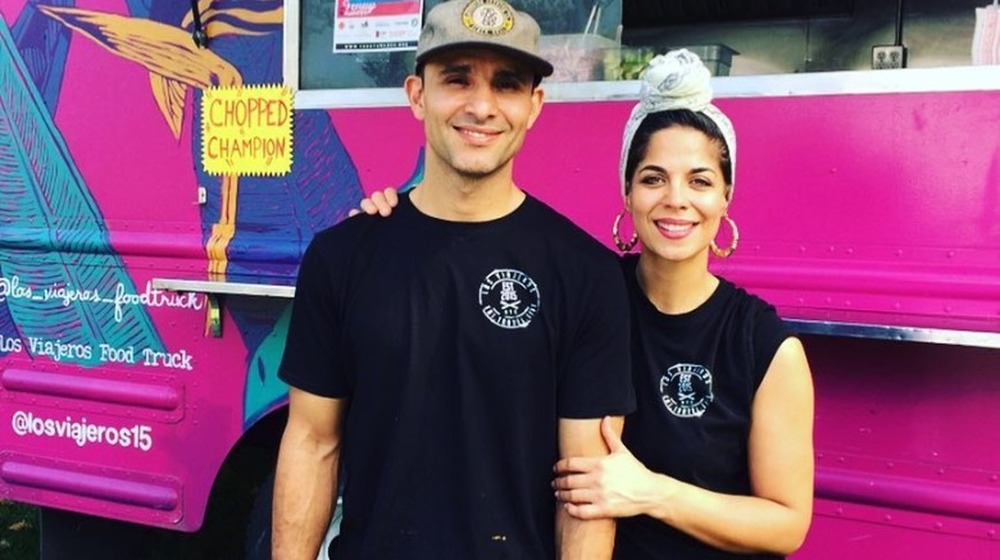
<point x="871" y="220"/>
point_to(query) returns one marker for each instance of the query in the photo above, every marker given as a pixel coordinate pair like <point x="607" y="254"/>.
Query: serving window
<point x="339" y="45"/>
<point x="349" y="52"/>
<point x="796" y="36"/>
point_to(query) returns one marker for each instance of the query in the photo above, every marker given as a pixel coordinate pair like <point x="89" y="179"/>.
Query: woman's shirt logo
<point x="686" y="390"/>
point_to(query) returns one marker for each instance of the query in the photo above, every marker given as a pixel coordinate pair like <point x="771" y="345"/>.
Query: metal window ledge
<point x="891" y="332"/>
<point x="219" y="287"/>
<point x="215" y="290"/>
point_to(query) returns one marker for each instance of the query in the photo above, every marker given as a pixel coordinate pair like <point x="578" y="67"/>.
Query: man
<point x="452" y="353"/>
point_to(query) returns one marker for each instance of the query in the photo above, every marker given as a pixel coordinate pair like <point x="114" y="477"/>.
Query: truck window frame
<point x="907" y="80"/>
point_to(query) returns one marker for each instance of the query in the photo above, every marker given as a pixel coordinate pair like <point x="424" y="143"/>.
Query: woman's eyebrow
<point x="703" y="170"/>
<point x="658" y="169"/>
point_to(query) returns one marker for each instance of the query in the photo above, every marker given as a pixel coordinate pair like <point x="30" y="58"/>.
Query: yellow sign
<point x="246" y="130"/>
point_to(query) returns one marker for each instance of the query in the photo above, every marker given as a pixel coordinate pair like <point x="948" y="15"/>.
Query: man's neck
<point x="461" y="199"/>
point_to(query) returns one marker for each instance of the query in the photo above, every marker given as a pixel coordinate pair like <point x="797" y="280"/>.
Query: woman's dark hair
<point x="655" y="122"/>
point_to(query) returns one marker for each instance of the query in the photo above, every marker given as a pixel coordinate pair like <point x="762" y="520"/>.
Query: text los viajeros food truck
<point x="156" y="197"/>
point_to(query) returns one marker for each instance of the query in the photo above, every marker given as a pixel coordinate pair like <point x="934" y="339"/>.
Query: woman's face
<point x="678" y="194"/>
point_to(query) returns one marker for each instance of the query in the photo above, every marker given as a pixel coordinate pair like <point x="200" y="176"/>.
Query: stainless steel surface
<point x="903" y="334"/>
<point x="219" y="287"/>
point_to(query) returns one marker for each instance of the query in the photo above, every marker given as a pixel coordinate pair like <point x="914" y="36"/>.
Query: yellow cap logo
<point x="488" y="17"/>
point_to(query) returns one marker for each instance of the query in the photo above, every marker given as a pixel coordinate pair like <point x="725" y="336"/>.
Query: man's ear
<point x="537" y="100"/>
<point x="414" y="88"/>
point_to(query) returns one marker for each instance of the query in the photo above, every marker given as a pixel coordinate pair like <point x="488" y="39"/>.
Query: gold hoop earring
<point x="724" y="253"/>
<point x="623" y="246"/>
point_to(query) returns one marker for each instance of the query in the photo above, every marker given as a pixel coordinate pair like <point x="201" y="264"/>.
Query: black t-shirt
<point x="459" y="345"/>
<point x="696" y="375"/>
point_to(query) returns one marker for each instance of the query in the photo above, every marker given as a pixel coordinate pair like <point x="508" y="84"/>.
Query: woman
<point x="717" y="462"/>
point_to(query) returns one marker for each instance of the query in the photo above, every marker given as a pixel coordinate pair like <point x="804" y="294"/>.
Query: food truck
<point x="164" y="164"/>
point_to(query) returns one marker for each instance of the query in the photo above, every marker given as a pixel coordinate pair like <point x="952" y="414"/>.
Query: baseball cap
<point x="490" y="24"/>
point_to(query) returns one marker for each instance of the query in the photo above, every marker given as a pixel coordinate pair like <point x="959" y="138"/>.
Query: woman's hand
<point x="379" y="202"/>
<point x="616" y="485"/>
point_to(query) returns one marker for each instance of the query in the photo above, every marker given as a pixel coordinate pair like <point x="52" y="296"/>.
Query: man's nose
<point x="482" y="101"/>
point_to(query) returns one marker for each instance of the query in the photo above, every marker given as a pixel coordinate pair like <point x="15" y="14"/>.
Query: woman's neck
<point x="675" y="287"/>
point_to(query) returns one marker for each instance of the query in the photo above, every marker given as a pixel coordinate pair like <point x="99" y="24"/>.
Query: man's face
<point x="476" y="106"/>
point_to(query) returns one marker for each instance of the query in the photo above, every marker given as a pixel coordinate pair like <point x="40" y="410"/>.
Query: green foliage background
<point x="18" y="531"/>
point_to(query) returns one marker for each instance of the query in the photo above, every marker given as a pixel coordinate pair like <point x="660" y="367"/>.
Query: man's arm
<point x="305" y="482"/>
<point x="578" y="539"/>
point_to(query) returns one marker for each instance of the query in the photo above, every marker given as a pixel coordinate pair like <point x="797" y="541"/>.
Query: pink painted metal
<point x="156" y="396"/>
<point x="87" y="485"/>
<point x="872" y="209"/>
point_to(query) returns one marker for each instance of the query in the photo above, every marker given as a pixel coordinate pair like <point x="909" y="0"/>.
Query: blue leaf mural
<point x="43" y="44"/>
<point x="142" y="8"/>
<point x="57" y="239"/>
<point x="8" y="330"/>
<point x="263" y="388"/>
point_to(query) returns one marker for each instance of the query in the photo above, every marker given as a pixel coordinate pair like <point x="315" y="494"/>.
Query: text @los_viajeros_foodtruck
<point x="13" y="288"/>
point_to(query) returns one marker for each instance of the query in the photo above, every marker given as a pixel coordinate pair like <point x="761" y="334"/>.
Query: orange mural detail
<point x="175" y="64"/>
<point x="223" y="231"/>
<point x="214" y="28"/>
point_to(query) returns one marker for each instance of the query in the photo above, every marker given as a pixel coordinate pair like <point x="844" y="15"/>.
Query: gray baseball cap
<point x="490" y="24"/>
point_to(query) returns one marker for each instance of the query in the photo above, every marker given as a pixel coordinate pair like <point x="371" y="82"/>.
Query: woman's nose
<point x="675" y="196"/>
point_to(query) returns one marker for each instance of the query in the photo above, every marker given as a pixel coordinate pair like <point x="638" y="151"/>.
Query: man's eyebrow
<point x="511" y="74"/>
<point x="457" y="68"/>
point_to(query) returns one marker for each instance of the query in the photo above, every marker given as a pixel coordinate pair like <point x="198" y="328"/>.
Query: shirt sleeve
<point x="769" y="331"/>
<point x="597" y="380"/>
<point x="313" y="359"/>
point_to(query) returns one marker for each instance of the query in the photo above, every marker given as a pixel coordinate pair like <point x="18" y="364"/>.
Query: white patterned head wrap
<point x="676" y="80"/>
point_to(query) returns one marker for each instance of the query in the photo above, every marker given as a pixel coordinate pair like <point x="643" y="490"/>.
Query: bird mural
<point x="251" y="226"/>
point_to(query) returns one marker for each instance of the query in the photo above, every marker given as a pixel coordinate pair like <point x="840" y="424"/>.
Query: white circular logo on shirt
<point x="509" y="298"/>
<point x="686" y="390"/>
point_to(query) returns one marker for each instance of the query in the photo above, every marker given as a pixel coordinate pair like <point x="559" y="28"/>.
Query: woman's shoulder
<point x="759" y="324"/>
<point x="749" y="305"/>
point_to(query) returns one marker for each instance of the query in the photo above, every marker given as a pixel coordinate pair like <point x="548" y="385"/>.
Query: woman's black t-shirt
<point x="695" y="377"/>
